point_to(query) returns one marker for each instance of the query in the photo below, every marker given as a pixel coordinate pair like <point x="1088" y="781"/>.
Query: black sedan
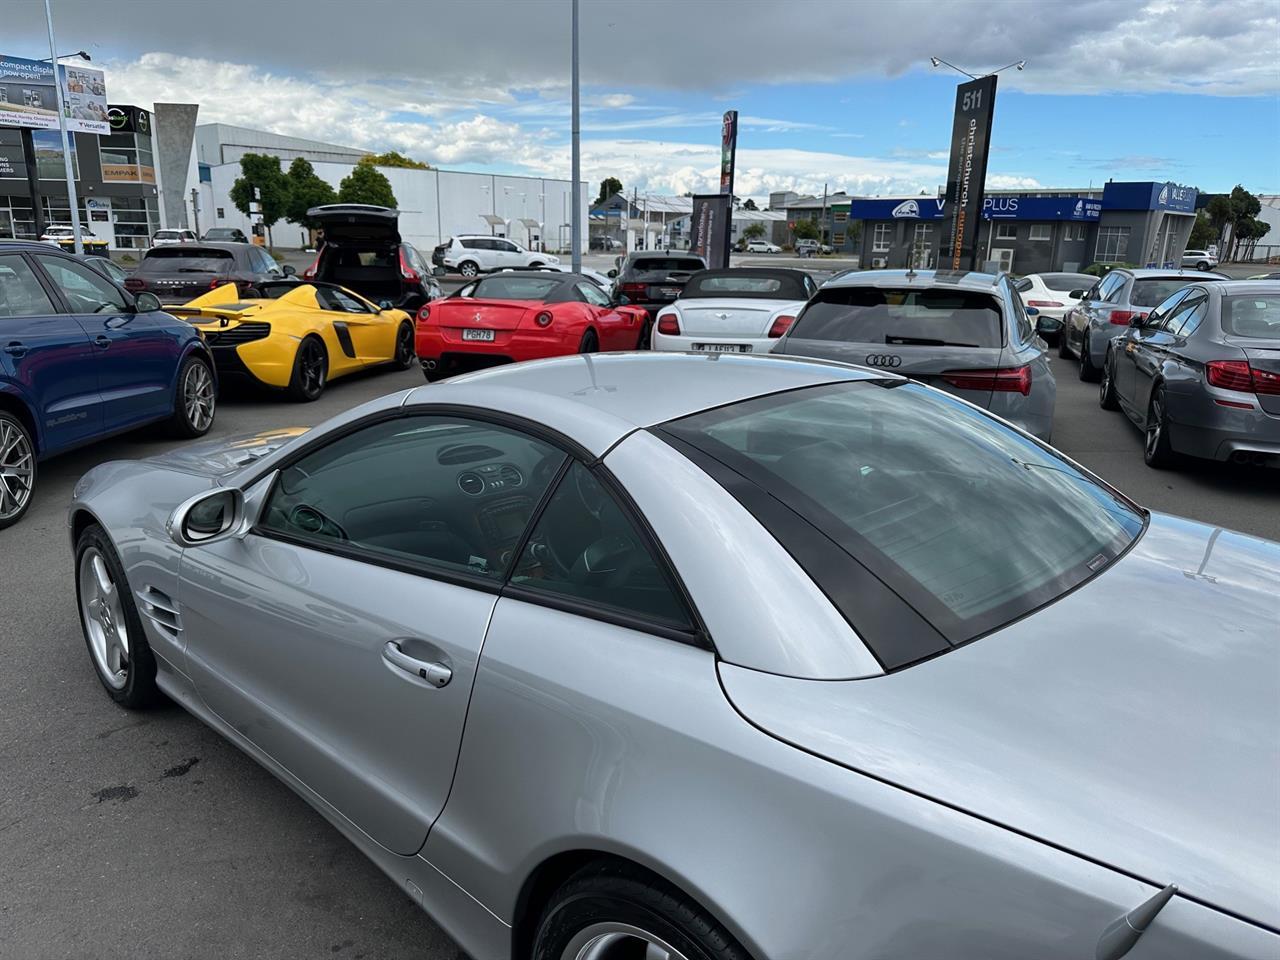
<point x="180" y="272"/>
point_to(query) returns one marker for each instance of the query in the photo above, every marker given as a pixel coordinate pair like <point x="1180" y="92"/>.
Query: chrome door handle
<point x="102" y="341"/>
<point x="16" y="349"/>
<point x="436" y="674"/>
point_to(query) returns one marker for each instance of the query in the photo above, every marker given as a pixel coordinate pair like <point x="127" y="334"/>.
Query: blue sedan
<point x="82" y="359"/>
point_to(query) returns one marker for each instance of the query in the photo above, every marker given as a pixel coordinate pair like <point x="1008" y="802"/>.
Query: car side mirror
<point x="385" y="305"/>
<point x="207" y="518"/>
<point x="290" y="270"/>
<point x="146" y="302"/>
<point x="438" y="271"/>
<point x="612" y="274"/>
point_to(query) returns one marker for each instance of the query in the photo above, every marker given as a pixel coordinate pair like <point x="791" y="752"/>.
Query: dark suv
<point x="225" y="235"/>
<point x="653" y="280"/>
<point x="180" y="272"/>
<point x="362" y="250"/>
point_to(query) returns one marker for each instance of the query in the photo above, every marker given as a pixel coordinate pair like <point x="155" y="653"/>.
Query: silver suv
<point x="471" y="254"/>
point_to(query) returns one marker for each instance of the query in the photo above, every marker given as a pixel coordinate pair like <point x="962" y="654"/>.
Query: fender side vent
<point x="156" y="606"/>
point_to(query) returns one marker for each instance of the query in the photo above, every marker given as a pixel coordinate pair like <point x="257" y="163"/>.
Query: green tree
<point x="393" y="159"/>
<point x="1202" y="233"/>
<point x="608" y="187"/>
<point x="806" y="230"/>
<point x="753" y="230"/>
<point x="365" y="184"/>
<point x="1244" y="225"/>
<point x="306" y="190"/>
<point x="749" y="204"/>
<point x="261" y="172"/>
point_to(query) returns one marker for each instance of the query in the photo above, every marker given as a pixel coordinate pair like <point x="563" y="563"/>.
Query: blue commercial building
<point x="1032" y="231"/>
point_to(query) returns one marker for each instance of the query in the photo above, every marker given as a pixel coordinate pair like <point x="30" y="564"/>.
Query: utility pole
<point x="822" y="233"/>
<point x="33" y="181"/>
<point x="195" y="210"/>
<point x="576" y="149"/>
<point x="72" y="200"/>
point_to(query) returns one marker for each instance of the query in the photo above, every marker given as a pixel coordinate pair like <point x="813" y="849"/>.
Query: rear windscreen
<point x="1151" y="293"/>
<point x="1066" y="282"/>
<point x="515" y="287"/>
<point x="187" y="258"/>
<point x="941" y="318"/>
<point x="732" y="283"/>
<point x="667" y="265"/>
<point x="1256" y="315"/>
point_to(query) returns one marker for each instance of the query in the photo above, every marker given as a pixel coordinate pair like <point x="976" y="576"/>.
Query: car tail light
<point x="669" y="324"/>
<point x="310" y="272"/>
<point x="1044" y="303"/>
<point x="1121" y="318"/>
<point x="135" y="283"/>
<point x="543" y="318"/>
<point x="424" y="313"/>
<point x="216" y="282"/>
<point x="781" y="325"/>
<point x="1007" y="380"/>
<point x="406" y="271"/>
<point x="1238" y="375"/>
<point x="635" y="291"/>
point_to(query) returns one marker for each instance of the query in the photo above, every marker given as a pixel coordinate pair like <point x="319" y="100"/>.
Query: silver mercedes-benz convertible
<point x="687" y="657"/>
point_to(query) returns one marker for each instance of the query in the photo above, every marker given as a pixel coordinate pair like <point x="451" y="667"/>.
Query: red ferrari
<point x="508" y="317"/>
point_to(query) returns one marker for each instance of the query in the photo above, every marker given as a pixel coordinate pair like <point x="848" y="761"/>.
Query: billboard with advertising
<point x="728" y="149"/>
<point x="967" y="171"/>
<point x="28" y="98"/>
<point x="709" y="228"/>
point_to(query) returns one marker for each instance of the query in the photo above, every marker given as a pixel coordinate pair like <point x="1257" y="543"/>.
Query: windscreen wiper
<point x="924" y="342"/>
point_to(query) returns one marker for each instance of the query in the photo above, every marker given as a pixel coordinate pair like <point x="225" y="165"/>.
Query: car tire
<point x="1157" y="449"/>
<point x="405" y="354"/>
<point x="1107" y="385"/>
<point x="613" y="904"/>
<point x="118" y="649"/>
<point x="1086" y="373"/>
<point x="17" y="469"/>
<point x="195" y="404"/>
<point x="310" y="371"/>
<point x="537" y="263"/>
<point x="646" y="339"/>
<point x="1203" y="265"/>
<point x="469" y="269"/>
<point x="590" y="343"/>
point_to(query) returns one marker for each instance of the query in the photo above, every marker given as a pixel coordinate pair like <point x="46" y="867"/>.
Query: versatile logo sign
<point x="28" y="97"/>
<point x="967" y="172"/>
<point x="907" y="209"/>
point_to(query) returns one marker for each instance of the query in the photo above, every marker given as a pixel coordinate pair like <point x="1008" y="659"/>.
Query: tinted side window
<point x="20" y="292"/>
<point x="86" y="290"/>
<point x="1183" y="321"/>
<point x="584" y="547"/>
<point x="506" y="246"/>
<point x="474" y="244"/>
<point x="1158" y="314"/>
<point x="446" y="493"/>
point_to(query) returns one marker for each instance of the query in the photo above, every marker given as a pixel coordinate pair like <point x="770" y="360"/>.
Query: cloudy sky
<point x="830" y="91"/>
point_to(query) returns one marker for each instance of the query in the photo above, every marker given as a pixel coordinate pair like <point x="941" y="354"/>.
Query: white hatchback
<point x="741" y="310"/>
<point x="471" y="255"/>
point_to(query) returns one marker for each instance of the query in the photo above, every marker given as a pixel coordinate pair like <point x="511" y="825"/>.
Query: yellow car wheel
<point x="404" y="347"/>
<point x="310" y="370"/>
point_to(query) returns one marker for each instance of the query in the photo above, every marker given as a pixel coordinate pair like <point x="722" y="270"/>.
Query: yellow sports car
<point x="299" y="338"/>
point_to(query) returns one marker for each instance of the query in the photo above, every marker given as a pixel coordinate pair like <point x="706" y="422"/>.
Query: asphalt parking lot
<point x="145" y="835"/>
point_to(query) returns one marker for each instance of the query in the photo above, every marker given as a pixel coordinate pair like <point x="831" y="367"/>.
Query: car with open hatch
<point x="698" y="636"/>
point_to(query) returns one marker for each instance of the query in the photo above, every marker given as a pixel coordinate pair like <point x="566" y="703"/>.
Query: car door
<point x="364" y="332"/>
<point x="1079" y="317"/>
<point x="1124" y="355"/>
<point x="47" y="357"/>
<point x="341" y="635"/>
<point x="617" y="330"/>
<point x="136" y="355"/>
<point x="1154" y="345"/>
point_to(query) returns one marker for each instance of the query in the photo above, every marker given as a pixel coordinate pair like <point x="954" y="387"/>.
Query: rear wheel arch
<point x="15" y="405"/>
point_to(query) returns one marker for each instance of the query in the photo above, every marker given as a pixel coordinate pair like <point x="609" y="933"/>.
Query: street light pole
<point x="576" y="149"/>
<point x="72" y="200"/>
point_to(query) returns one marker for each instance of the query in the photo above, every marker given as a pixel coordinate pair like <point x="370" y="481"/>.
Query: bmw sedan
<point x="966" y="333"/>
<point x="693" y="657"/>
<point x="1200" y="374"/>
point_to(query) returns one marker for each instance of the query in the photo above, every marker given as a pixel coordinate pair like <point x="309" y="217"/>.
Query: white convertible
<point x="741" y="310"/>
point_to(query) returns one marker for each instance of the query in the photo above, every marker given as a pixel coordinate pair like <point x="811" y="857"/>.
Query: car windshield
<point x="1066" y="282"/>
<point x="516" y="287"/>
<point x="666" y="265"/>
<point x="1150" y="293"/>
<point x="971" y="523"/>
<point x="1252" y="315"/>
<point x="186" y="258"/>
<point x="931" y="317"/>
<point x="740" y="283"/>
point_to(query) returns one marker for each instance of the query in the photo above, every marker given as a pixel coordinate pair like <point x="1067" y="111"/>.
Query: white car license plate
<point x="723" y="347"/>
<point x="477" y="334"/>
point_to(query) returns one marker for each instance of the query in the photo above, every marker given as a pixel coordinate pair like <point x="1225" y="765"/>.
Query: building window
<point x="882" y="237"/>
<point x="1006" y="231"/>
<point x="838" y="240"/>
<point x="842" y="216"/>
<point x="222" y="213"/>
<point x="1040" y="231"/>
<point x="1113" y="245"/>
<point x="49" y="163"/>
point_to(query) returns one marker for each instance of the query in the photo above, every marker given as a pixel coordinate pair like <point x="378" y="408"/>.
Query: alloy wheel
<point x="17" y="465"/>
<point x="198" y="396"/>
<point x="102" y="610"/>
<point x="313" y="371"/>
<point x="1155" y="425"/>
<point x="618" y="941"/>
<point x="404" y="346"/>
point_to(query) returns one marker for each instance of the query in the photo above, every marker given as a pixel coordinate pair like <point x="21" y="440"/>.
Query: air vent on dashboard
<point x="510" y="476"/>
<point x="471" y="484"/>
<point x="466" y="453"/>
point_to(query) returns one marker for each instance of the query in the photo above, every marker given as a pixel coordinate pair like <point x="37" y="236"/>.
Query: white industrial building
<point x="434" y="204"/>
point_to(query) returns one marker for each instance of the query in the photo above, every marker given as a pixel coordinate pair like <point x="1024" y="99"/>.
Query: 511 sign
<point x="967" y="172"/>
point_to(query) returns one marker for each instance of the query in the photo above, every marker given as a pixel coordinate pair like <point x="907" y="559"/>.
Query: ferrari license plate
<point x="723" y="347"/>
<point x="477" y="334"/>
